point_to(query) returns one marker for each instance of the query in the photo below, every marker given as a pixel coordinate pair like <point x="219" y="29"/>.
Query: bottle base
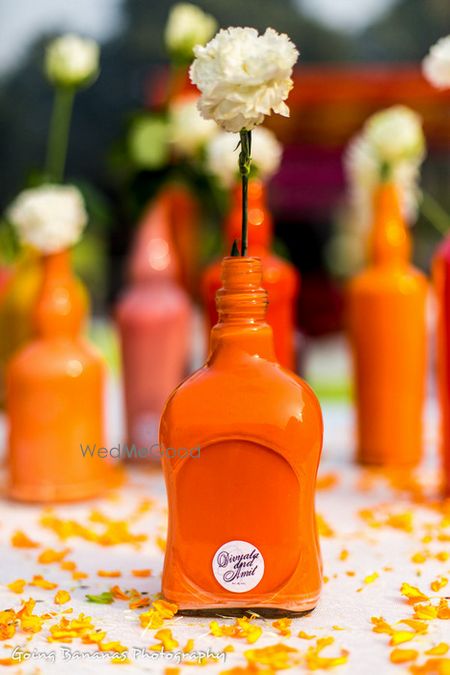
<point x="263" y="612"/>
<point x="52" y="495"/>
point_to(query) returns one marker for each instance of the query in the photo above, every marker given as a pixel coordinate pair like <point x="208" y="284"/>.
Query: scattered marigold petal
<point x="283" y="626"/>
<point x="68" y="565"/>
<point x="403" y="655"/>
<point x="20" y="540"/>
<point x="109" y="574"/>
<point x="440" y="666"/>
<point x="79" y="575"/>
<point x="241" y="628"/>
<point x="159" y="611"/>
<point x="277" y="657"/>
<point x="343" y="555"/>
<point x="327" y="481"/>
<point x="439" y="583"/>
<point x="323" y="528"/>
<point x="315" y="661"/>
<point x="141" y="573"/>
<point x="400" y="636"/>
<point x="381" y="626"/>
<point x="425" y="612"/>
<point x="443" y="611"/>
<point x="17" y="586"/>
<point x="7" y="624"/>
<point x="166" y="641"/>
<point x="439" y="650"/>
<point x="412" y="593"/>
<point x="306" y="636"/>
<point x="416" y="625"/>
<point x="420" y="557"/>
<point x="40" y="582"/>
<point x="61" y="598"/>
<point x="371" y="578"/>
<point x="49" y="555"/>
<point x="161" y="543"/>
<point x="189" y="646"/>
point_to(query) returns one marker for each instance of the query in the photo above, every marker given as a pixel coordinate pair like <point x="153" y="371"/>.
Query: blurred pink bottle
<point x="154" y="321"/>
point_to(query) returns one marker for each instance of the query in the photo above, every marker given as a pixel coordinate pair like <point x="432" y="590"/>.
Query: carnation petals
<point x="243" y="76"/>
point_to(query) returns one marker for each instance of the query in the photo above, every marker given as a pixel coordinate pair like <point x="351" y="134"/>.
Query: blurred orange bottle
<point x="387" y="328"/>
<point x="241" y="442"/>
<point x="441" y="278"/>
<point x="55" y="387"/>
<point x="280" y="277"/>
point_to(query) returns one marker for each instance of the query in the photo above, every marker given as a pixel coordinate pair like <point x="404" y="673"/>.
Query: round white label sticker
<point x="238" y="566"/>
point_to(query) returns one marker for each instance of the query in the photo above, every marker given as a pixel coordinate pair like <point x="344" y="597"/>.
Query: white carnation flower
<point x="188" y="131"/>
<point x="71" y="61"/>
<point x="186" y="27"/>
<point x="222" y="155"/>
<point x="50" y="218"/>
<point x="363" y="170"/>
<point x="395" y="134"/>
<point x="243" y="76"/>
<point x="436" y="65"/>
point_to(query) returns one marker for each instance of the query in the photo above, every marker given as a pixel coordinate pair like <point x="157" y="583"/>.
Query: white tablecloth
<point x="385" y="550"/>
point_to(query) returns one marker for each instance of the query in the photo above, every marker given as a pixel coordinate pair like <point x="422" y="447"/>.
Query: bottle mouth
<point x="242" y="294"/>
<point x="241" y="273"/>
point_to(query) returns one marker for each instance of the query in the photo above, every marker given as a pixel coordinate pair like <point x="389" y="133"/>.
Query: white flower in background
<point x="395" y="134"/>
<point x="186" y="27"/>
<point x="221" y="155"/>
<point x="436" y="65"/>
<point x="71" y="61"/>
<point x="50" y="218"/>
<point x="362" y="166"/>
<point x="188" y="131"/>
<point x="243" y="76"/>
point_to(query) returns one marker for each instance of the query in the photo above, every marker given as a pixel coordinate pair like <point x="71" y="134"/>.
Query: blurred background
<point x="355" y="58"/>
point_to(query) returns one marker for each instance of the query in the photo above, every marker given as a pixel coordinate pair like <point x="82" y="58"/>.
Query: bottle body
<point x="154" y="322"/>
<point x="280" y="278"/>
<point x="154" y="319"/>
<point x="441" y="279"/>
<point x="241" y="440"/>
<point x="387" y="328"/>
<point x="55" y="390"/>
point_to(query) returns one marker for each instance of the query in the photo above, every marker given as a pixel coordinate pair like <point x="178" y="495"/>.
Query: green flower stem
<point x="244" y="169"/>
<point x="435" y="214"/>
<point x="58" y="136"/>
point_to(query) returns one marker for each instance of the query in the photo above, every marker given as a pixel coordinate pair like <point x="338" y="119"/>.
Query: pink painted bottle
<point x="154" y="321"/>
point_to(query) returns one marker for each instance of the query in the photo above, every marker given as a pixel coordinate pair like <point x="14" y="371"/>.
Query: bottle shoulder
<point x="377" y="278"/>
<point x="252" y="398"/>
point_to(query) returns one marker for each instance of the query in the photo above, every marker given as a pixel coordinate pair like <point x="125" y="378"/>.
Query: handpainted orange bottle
<point x="441" y="279"/>
<point x="387" y="328"/>
<point x="280" y="277"/>
<point x="241" y="441"/>
<point x="55" y="387"/>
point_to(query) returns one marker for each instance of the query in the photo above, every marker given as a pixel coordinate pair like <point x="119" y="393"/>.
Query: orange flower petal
<point x="61" y="598"/>
<point x="17" y="586"/>
<point x="20" y="540"/>
<point x="403" y="655"/>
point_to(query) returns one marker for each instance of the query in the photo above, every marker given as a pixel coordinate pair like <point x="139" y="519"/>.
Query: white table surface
<point x="369" y="550"/>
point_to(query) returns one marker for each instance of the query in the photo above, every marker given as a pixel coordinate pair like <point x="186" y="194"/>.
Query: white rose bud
<point x="72" y="61"/>
<point x="186" y="27"/>
<point x="50" y="218"/>
<point x="395" y="134"/>
<point x="436" y="65"/>
<point x="221" y="155"/>
<point x="243" y="76"/>
<point x="188" y="131"/>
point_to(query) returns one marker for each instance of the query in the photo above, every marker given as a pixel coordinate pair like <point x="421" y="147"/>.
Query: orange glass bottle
<point x="441" y="278"/>
<point x="55" y="387"/>
<point x="280" y="278"/>
<point x="387" y="328"/>
<point x="241" y="441"/>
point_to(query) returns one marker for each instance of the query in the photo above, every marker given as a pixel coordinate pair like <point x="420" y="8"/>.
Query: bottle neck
<point x="390" y="241"/>
<point x="241" y="306"/>
<point x="260" y="224"/>
<point x="60" y="309"/>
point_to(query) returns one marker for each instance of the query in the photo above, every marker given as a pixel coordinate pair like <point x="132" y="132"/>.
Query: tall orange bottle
<point x="55" y="387"/>
<point x="441" y="278"/>
<point x="280" y="278"/>
<point x="387" y="328"/>
<point x="241" y="441"/>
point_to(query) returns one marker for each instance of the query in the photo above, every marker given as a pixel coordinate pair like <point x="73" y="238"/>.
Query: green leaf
<point x="105" y="598"/>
